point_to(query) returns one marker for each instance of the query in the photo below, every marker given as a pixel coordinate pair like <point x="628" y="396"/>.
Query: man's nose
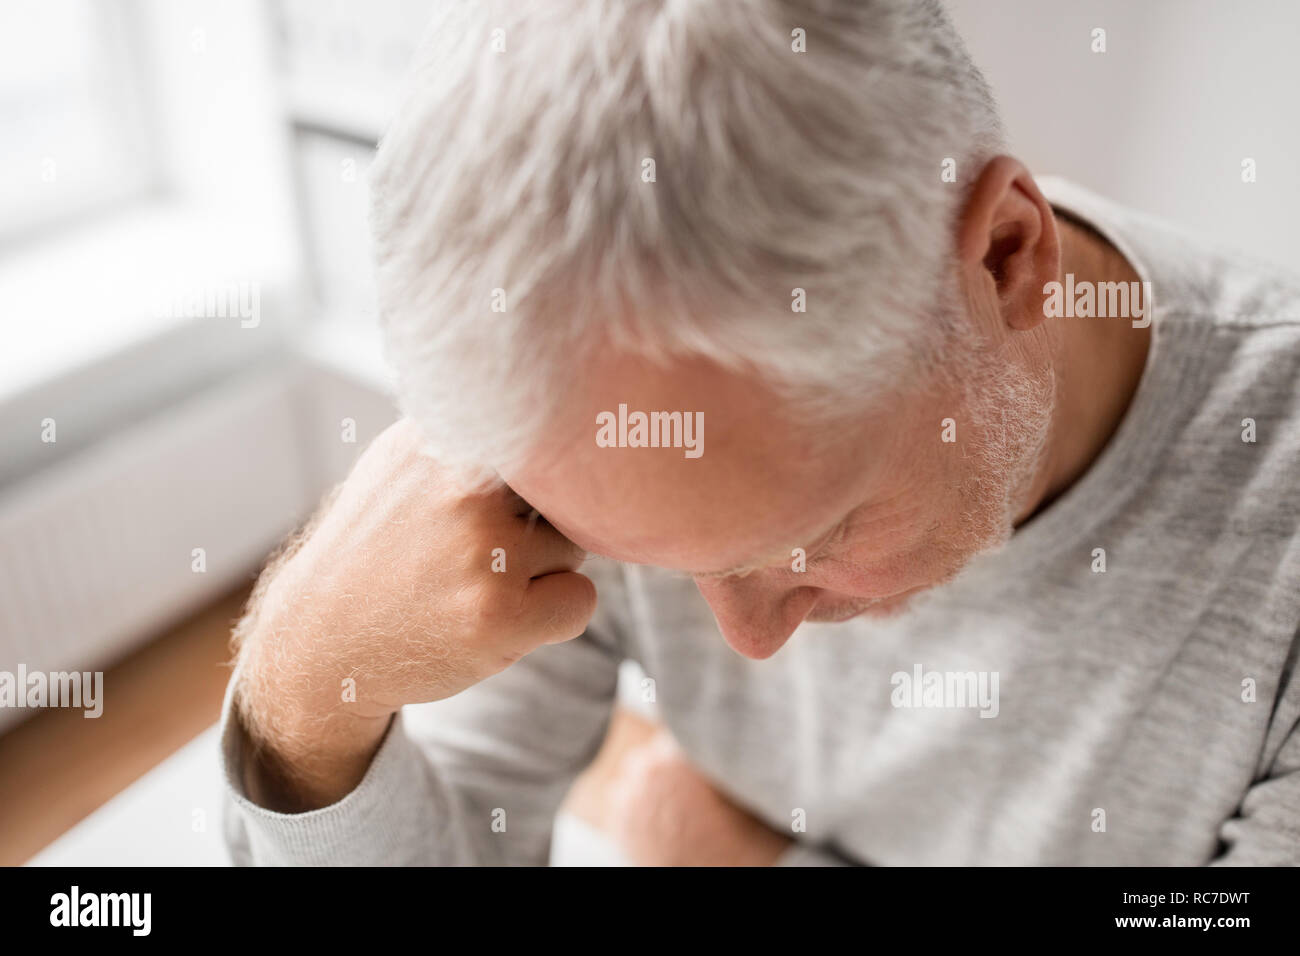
<point x="756" y="617"/>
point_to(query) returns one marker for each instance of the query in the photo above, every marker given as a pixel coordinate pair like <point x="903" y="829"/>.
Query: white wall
<point x="1162" y="120"/>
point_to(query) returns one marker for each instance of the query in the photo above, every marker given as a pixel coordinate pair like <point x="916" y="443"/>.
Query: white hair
<point x="516" y="175"/>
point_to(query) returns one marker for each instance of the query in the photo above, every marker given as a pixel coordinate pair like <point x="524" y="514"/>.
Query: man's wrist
<point x="296" y="778"/>
<point x="301" y="757"/>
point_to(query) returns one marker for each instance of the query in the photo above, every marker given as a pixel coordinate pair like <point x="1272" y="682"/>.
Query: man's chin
<point x="840" y="611"/>
<point x="832" y="610"/>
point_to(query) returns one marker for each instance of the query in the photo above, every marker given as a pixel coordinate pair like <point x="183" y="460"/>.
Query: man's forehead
<point x="754" y="487"/>
<point x="696" y="535"/>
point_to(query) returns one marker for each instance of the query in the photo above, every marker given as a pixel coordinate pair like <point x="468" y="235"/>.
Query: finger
<point x="557" y="607"/>
<point x="543" y="550"/>
<point x="663" y="745"/>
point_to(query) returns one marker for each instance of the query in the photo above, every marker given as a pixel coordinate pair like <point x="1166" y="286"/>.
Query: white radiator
<point x="97" y="550"/>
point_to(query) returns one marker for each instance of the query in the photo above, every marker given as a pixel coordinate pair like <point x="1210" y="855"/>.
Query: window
<point x="70" y="111"/>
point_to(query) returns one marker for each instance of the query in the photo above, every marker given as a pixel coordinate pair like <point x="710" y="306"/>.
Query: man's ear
<point x="1007" y="243"/>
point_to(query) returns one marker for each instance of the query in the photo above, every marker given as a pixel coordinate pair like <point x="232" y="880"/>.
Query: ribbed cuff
<point x="382" y="822"/>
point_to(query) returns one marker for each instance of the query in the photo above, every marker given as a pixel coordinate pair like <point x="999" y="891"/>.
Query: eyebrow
<point x="819" y="542"/>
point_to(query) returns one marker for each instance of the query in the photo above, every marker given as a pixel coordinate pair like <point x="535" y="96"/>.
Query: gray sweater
<point x="1037" y="710"/>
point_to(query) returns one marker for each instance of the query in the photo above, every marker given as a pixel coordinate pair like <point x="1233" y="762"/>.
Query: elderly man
<point x="952" y="515"/>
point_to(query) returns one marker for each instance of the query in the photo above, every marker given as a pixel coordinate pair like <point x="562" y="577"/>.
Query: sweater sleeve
<point x="1265" y="831"/>
<point x="474" y="779"/>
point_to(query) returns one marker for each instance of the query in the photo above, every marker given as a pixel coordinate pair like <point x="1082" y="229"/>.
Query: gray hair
<point x="515" y="176"/>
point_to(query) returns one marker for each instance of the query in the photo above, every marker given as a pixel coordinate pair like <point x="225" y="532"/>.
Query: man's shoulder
<point x="1234" y="457"/>
<point x="1193" y="276"/>
<point x="1233" y="292"/>
<point x="1227" y="338"/>
<point x="1226" y="352"/>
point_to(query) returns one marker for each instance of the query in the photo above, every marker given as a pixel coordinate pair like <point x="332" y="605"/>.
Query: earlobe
<point x="1007" y="241"/>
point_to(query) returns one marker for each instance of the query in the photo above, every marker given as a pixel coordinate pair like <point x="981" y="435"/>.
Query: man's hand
<point x="663" y="812"/>
<point x="397" y="594"/>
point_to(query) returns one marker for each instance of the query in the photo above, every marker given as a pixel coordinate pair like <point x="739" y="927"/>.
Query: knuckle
<point x="484" y="603"/>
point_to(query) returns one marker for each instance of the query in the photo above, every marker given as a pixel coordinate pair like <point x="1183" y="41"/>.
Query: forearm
<point x="398" y="813"/>
<point x="292" y="779"/>
<point x="474" y="779"/>
<point x="305" y="747"/>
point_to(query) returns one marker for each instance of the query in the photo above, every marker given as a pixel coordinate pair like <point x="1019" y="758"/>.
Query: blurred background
<point x="189" y="357"/>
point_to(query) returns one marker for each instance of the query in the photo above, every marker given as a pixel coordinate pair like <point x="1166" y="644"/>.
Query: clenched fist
<point x="404" y="589"/>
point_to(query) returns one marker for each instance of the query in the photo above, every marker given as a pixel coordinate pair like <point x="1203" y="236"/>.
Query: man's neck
<point x="1098" y="361"/>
